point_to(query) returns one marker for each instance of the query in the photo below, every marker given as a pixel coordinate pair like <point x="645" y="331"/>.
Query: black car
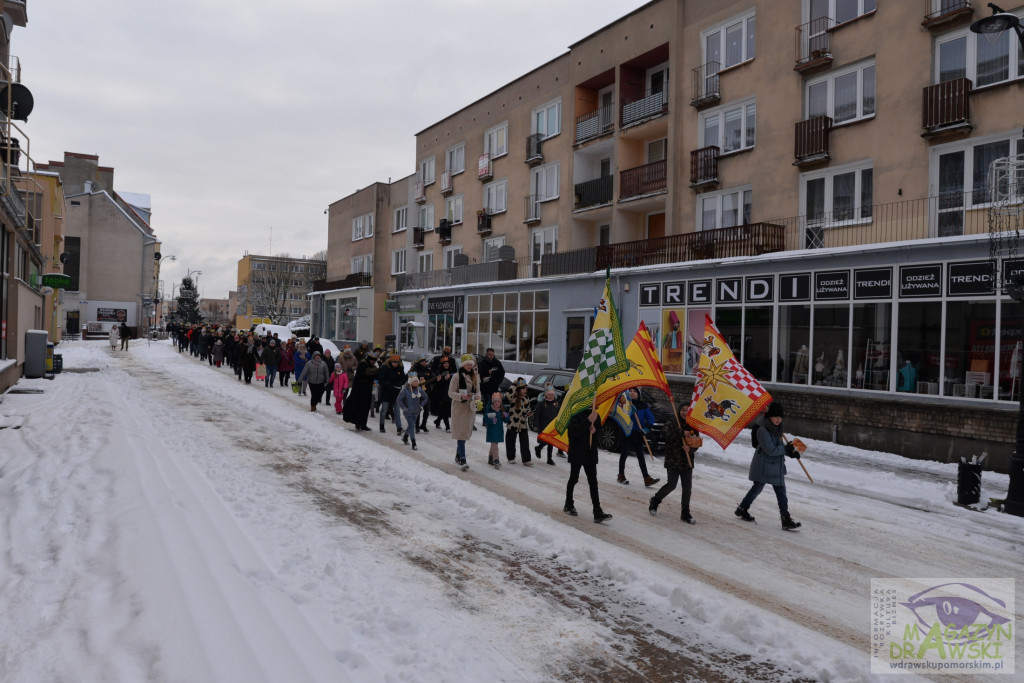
<point x="555" y="377"/>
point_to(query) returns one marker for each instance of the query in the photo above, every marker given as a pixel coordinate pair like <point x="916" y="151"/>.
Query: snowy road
<point x="166" y="523"/>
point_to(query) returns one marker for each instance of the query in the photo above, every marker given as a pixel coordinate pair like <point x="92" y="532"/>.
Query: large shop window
<point x="872" y="335"/>
<point x="514" y="324"/>
<point x="348" y="319"/>
<point x="830" y="345"/>
<point x="794" y="344"/>
<point x="330" y="318"/>
<point x="918" y="339"/>
<point x="1011" y="350"/>
<point x="970" y="349"/>
<point x="757" y="337"/>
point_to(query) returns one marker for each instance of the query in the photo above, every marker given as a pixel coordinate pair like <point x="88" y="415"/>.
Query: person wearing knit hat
<point x="411" y="399"/>
<point x="768" y="465"/>
<point x="464" y="392"/>
<point x="391" y="379"/>
<point x="426" y="375"/>
<point x="440" y="404"/>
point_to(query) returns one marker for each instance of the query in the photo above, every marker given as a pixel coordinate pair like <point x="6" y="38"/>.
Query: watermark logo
<point x="942" y="626"/>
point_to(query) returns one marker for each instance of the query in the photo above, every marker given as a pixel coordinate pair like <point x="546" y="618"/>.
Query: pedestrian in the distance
<point x="495" y="419"/>
<point x="582" y="433"/>
<point x="545" y="412"/>
<point x="680" y="442"/>
<point x="316" y="374"/>
<point x="339" y="385"/>
<point x="464" y="392"/>
<point x="271" y="356"/>
<point x="633" y="422"/>
<point x="299" y="360"/>
<point x="329" y="387"/>
<point x="123" y="334"/>
<point x="768" y="466"/>
<point x="287" y="364"/>
<point x="114" y="337"/>
<point x="440" y="404"/>
<point x="390" y="380"/>
<point x="518" y="427"/>
<point x="411" y="400"/>
<point x="360" y="397"/>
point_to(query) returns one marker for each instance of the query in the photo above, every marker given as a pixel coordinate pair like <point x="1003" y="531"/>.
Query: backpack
<point x="753" y="434"/>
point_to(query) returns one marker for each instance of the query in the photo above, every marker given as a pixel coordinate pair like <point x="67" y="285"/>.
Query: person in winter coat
<point x="123" y="334"/>
<point x="249" y="358"/>
<point x="299" y="360"/>
<point x="328" y="388"/>
<point x="114" y="336"/>
<point x="287" y="364"/>
<point x="349" y="362"/>
<point x="391" y="379"/>
<point x="422" y="370"/>
<point x="768" y="466"/>
<point x="411" y="400"/>
<point x="582" y="431"/>
<point x="677" y="467"/>
<point x="464" y="392"/>
<point x="544" y="413"/>
<point x="496" y="416"/>
<point x="632" y="424"/>
<point x="491" y="373"/>
<point x="357" y="408"/>
<point x="316" y="374"/>
<point x="518" y="429"/>
<point x="440" y="404"/>
<point x="339" y="385"/>
<point x="271" y="357"/>
<point x="218" y="352"/>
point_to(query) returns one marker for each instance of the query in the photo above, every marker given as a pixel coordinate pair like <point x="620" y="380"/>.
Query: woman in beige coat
<point x="464" y="391"/>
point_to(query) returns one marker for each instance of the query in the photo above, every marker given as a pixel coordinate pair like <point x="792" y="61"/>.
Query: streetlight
<point x="1000" y="20"/>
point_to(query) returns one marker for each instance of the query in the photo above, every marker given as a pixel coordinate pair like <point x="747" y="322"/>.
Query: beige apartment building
<point x="272" y="289"/>
<point x="812" y="174"/>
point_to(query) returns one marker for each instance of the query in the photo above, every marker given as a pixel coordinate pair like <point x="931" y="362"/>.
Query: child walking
<point x="495" y="418"/>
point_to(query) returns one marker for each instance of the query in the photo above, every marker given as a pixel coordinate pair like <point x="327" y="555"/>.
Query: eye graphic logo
<point x="970" y="620"/>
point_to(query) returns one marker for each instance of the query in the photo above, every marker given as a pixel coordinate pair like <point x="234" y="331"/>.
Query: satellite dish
<point x="65" y="257"/>
<point x="21" y="100"/>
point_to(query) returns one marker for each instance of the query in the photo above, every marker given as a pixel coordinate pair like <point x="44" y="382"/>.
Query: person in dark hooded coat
<point x="768" y="466"/>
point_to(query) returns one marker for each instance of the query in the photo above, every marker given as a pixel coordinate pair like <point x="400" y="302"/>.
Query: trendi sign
<point x="57" y="280"/>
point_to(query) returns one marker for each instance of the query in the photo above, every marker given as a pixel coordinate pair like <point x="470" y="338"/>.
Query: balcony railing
<point x="595" y="123"/>
<point x="646" y="179"/>
<point x="533" y="149"/>
<point x="483" y="222"/>
<point x="446" y="183"/>
<point x="490" y="271"/>
<point x="741" y="240"/>
<point x="813" y="44"/>
<point x="347" y="282"/>
<point x="646" y="107"/>
<point x="419" y="192"/>
<point x="949" y="11"/>
<point x="594" y="192"/>
<point x="705" y="85"/>
<point x="704" y="166"/>
<point x="812" y="140"/>
<point x="947" y="104"/>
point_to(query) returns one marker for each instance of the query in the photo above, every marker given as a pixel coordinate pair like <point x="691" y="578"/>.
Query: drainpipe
<point x="835" y="433"/>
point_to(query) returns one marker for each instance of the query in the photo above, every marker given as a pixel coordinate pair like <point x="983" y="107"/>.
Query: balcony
<point x="347" y="282"/>
<point x="950" y="12"/>
<point x="947" y="108"/>
<point x="418" y="238"/>
<point x="651" y="105"/>
<point x="490" y="271"/>
<point x="596" y="192"/>
<point x="594" y="124"/>
<point x="741" y="240"/>
<point x="483" y="222"/>
<point x="533" y="151"/>
<point x="444" y="231"/>
<point x="812" y="141"/>
<point x="814" y="45"/>
<point x="643" y="180"/>
<point x="704" y="167"/>
<point x="419" y="192"/>
<point x="484" y="167"/>
<point x="705" y="81"/>
<point x="446" y="183"/>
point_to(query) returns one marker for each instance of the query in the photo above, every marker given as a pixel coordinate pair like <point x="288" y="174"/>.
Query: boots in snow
<point x="622" y="478"/>
<point x="651" y="481"/>
<point x="652" y="507"/>
<point x="789" y="524"/>
<point x="743" y="514"/>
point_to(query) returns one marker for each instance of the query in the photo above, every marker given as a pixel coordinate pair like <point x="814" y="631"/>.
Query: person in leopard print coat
<point x="518" y="427"/>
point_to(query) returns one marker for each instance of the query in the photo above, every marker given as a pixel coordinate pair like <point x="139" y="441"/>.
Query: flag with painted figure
<point x="644" y="370"/>
<point x="725" y="397"/>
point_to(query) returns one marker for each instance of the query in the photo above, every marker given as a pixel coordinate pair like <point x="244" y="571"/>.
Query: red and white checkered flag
<point x="743" y="380"/>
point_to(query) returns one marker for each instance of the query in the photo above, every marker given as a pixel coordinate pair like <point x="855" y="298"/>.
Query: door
<point x="575" y="340"/>
<point x="72" y="324"/>
<point x="457" y="348"/>
<point x="655" y="226"/>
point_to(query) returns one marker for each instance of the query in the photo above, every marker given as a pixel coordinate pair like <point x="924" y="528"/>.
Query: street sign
<point x="57" y="280"/>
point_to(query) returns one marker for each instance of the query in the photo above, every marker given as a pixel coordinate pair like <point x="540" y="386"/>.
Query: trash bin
<point x="968" y="483"/>
<point x="49" y="356"/>
<point x="58" y="363"/>
<point x="35" y="353"/>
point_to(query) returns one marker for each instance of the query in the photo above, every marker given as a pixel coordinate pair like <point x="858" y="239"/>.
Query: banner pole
<point x="799" y="460"/>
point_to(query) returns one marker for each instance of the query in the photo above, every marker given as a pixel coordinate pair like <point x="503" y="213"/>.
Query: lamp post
<point x="1000" y="20"/>
<point x="157" y="299"/>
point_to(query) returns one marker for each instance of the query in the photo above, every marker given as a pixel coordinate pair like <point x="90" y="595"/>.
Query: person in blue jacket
<point x="496" y="416"/>
<point x="768" y="466"/>
<point x="634" y="419"/>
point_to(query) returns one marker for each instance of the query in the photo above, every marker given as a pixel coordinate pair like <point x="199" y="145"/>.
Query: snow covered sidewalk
<point x="164" y="522"/>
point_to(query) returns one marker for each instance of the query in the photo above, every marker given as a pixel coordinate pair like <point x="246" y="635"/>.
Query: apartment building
<point x="812" y="174"/>
<point x="272" y="289"/>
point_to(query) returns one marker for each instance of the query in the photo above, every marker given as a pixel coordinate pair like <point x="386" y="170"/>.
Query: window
<point x="731" y="43"/>
<point x="496" y="196"/>
<point x="542" y="241"/>
<point x="401" y="219"/>
<point x="725" y="209"/>
<point x="840" y="11"/>
<point x="545" y="182"/>
<point x="496" y="141"/>
<point x="455" y="159"/>
<point x="844" y="95"/>
<point x="362" y="226"/>
<point x="398" y="262"/>
<point x="425" y="262"/>
<point x="731" y="127"/>
<point x="959" y="176"/>
<point x="453" y="209"/>
<point x="837" y="195"/>
<point x="962" y="54"/>
<point x="514" y="324"/>
<point x="604" y="235"/>
<point x="427" y="170"/>
<point x="656" y="150"/>
<point x="427" y="217"/>
<point x="357" y="265"/>
<point x="448" y="255"/>
<point x="491" y="246"/>
<point x="547" y="119"/>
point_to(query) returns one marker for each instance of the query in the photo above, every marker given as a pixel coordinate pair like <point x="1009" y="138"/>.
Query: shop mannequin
<point x="908" y="378"/>
<point x="800" y="365"/>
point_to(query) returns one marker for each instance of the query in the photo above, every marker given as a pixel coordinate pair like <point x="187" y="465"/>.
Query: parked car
<point x="609" y="438"/>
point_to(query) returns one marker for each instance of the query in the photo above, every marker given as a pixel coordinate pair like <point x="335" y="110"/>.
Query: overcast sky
<point x="246" y="118"/>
